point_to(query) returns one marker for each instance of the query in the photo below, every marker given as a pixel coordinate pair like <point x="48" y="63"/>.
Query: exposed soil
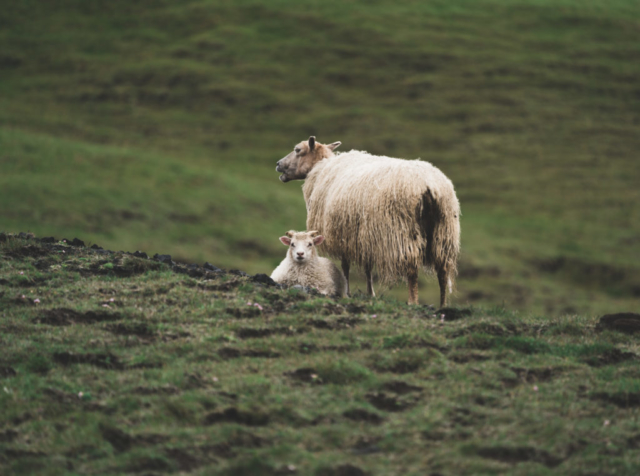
<point x="452" y="314"/>
<point x="465" y="357"/>
<point x="233" y="353"/>
<point x="538" y="374"/>
<point x="306" y="374"/>
<point x="6" y="372"/>
<point x="613" y="356"/>
<point x="249" y="333"/>
<point x="139" y="329"/>
<point x="387" y="403"/>
<point x="105" y="361"/>
<point x="342" y="470"/>
<point x="239" y="440"/>
<point x="627" y="322"/>
<point x="400" y="387"/>
<point x="164" y="390"/>
<point x="7" y="436"/>
<point x="515" y="455"/>
<point x="148" y="463"/>
<point x="234" y="415"/>
<point x="243" y="313"/>
<point x="184" y="460"/>
<point x="67" y="317"/>
<point x="357" y="414"/>
<point x="340" y="323"/>
<point x="620" y="399"/>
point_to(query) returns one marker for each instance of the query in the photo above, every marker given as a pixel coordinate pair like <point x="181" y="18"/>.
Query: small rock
<point x="166" y="259"/>
<point x="237" y="272"/>
<point x="627" y="322"/>
<point x="210" y="267"/>
<point x="76" y="242"/>
<point x="140" y="254"/>
<point x="96" y="247"/>
<point x="263" y="279"/>
<point x="3" y="237"/>
<point x="48" y="239"/>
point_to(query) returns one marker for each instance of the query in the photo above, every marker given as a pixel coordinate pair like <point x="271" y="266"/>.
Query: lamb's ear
<point x="312" y="142"/>
<point x="335" y="145"/>
<point x="286" y="241"/>
<point x="318" y="240"/>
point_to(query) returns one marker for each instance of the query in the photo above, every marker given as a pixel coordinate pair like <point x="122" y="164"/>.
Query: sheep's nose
<point x="301" y="253"/>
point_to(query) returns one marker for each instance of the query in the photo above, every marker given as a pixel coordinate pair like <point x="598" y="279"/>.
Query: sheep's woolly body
<point x="397" y="215"/>
<point x="318" y="272"/>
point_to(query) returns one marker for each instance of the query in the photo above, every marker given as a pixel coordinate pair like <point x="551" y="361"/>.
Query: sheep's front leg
<point x="345" y="271"/>
<point x="412" y="279"/>
<point x="368" y="272"/>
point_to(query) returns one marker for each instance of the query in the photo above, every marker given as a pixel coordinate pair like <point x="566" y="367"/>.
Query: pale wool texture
<point x="392" y="214"/>
<point x="316" y="272"/>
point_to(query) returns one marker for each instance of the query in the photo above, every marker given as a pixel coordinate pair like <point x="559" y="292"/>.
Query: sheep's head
<point x="302" y="245"/>
<point x="298" y="164"/>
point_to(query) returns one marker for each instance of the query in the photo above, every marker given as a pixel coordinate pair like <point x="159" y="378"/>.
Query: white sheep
<point x="392" y="214"/>
<point x="303" y="266"/>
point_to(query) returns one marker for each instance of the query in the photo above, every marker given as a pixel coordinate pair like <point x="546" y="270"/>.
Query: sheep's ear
<point x="335" y="145"/>
<point x="286" y="241"/>
<point x="312" y="142"/>
<point x="318" y="240"/>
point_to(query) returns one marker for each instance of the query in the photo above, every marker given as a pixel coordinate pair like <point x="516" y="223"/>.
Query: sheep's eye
<point x="297" y="150"/>
<point x="292" y="244"/>
<point x="309" y="244"/>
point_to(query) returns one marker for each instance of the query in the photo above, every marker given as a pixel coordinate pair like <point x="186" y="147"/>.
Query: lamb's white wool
<point x="378" y="212"/>
<point x="303" y="266"/>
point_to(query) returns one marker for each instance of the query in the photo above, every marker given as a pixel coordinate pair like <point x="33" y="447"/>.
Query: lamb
<point x="378" y="212"/>
<point x="303" y="266"/>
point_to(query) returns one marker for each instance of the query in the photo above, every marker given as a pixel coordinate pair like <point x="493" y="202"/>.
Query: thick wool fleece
<point x="397" y="215"/>
<point x="318" y="272"/>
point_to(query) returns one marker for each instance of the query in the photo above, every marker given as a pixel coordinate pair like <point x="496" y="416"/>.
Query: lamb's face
<point x="298" y="164"/>
<point x="302" y="246"/>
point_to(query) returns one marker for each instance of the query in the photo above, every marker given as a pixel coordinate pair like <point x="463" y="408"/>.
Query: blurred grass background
<point x="156" y="125"/>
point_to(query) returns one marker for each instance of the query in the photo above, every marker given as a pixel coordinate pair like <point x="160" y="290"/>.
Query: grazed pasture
<point x="115" y="363"/>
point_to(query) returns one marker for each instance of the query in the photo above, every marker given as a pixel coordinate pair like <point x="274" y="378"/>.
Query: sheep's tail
<point x="441" y="229"/>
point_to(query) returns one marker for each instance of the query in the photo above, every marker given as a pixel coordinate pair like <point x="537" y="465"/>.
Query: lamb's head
<point x="302" y="245"/>
<point x="298" y="164"/>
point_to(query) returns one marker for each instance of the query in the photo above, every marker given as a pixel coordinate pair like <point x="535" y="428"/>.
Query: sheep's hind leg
<point x="443" y="281"/>
<point x="368" y="272"/>
<point x="345" y="271"/>
<point x="412" y="279"/>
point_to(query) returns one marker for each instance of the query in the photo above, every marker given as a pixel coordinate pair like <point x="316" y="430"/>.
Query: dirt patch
<point x="67" y="317"/>
<point x="139" y="329"/>
<point x="28" y="251"/>
<point x="145" y="365"/>
<point x="619" y="399"/>
<point x="244" y="313"/>
<point x="465" y="357"/>
<point x="340" y="323"/>
<point x="358" y="414"/>
<point x="366" y="446"/>
<point x="453" y="314"/>
<point x="12" y="453"/>
<point x="307" y="375"/>
<point x="233" y="353"/>
<point x="401" y="388"/>
<point x="535" y="375"/>
<point x="513" y="455"/>
<point x="105" y="361"/>
<point x="333" y="309"/>
<point x="233" y="415"/>
<point x="627" y="322"/>
<point x="6" y="372"/>
<point x="164" y="390"/>
<point x="387" y="403"/>
<point x="342" y="470"/>
<point x="610" y="357"/>
<point x="184" y="460"/>
<point x="148" y="463"/>
<point x="239" y="440"/>
<point x="356" y="308"/>
<point x="7" y="436"/>
<point x="250" y="333"/>
<point x="485" y="328"/>
<point x="120" y="440"/>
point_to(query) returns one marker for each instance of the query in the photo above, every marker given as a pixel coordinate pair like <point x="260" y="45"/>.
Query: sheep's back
<point x="369" y="208"/>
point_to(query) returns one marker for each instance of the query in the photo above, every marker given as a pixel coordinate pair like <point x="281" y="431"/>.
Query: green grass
<point x="156" y="126"/>
<point x="138" y="367"/>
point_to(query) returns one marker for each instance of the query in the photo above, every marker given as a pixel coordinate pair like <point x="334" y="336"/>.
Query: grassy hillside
<point x="116" y="364"/>
<point x="156" y="126"/>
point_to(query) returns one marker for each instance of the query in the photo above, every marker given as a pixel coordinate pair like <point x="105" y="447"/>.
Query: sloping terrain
<point x="156" y="125"/>
<point x="116" y="363"/>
